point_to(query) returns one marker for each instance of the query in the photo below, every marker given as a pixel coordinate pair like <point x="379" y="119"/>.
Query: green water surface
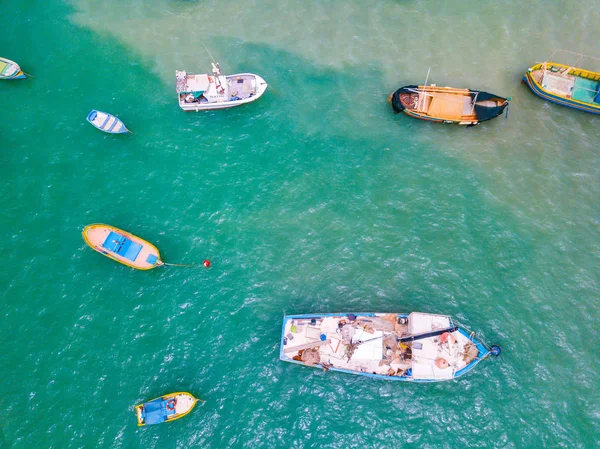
<point x="315" y="198"/>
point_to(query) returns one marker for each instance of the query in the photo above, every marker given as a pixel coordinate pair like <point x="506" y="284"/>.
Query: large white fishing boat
<point x="197" y="92"/>
<point x="414" y="347"/>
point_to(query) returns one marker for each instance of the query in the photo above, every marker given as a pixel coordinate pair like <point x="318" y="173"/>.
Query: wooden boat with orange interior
<point x="448" y="104"/>
<point x="166" y="408"/>
<point x="409" y="347"/>
<point x="122" y="246"/>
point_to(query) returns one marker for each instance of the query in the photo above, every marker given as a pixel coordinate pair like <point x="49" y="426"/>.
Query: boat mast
<point x="424" y="86"/>
<point x="216" y="71"/>
<point x="216" y="68"/>
<point x="213" y="59"/>
<point x="427" y="77"/>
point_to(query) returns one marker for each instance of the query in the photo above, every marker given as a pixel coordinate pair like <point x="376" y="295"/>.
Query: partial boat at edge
<point x="566" y="85"/>
<point x="10" y="70"/>
<point x="410" y="347"/>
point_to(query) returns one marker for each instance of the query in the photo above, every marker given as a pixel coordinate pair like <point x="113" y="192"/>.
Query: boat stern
<point x="139" y="412"/>
<point x="528" y="78"/>
<point x="394" y="98"/>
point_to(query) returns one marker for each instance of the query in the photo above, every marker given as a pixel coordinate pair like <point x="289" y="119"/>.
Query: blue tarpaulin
<point x="155" y="412"/>
<point x="122" y="246"/>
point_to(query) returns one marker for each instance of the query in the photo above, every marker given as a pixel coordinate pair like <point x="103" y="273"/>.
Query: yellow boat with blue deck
<point x="122" y="246"/>
<point x="166" y="408"/>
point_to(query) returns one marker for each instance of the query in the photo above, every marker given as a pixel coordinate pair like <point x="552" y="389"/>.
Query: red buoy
<point x="207" y="263"/>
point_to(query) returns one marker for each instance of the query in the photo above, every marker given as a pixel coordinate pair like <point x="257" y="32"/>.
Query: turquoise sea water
<point x="315" y="198"/>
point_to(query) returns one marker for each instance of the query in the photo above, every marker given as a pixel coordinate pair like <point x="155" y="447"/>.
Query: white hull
<point x="415" y="347"/>
<point x="203" y="92"/>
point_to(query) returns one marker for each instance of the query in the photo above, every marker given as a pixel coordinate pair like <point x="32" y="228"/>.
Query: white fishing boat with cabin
<point x="410" y="347"/>
<point x="199" y="92"/>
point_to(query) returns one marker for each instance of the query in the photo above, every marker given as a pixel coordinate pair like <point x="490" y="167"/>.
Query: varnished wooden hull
<point x="447" y="104"/>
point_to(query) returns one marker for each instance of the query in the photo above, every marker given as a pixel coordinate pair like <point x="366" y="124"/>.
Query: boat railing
<point x="580" y="56"/>
<point x="450" y="90"/>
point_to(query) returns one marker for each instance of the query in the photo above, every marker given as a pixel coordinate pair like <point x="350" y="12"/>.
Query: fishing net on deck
<point x="311" y="357"/>
<point x="470" y="352"/>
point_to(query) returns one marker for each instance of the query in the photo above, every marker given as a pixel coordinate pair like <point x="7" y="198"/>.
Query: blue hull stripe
<point x="559" y="100"/>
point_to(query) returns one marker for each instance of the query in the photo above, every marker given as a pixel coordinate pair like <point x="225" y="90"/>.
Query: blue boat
<point x="107" y="122"/>
<point x="409" y="347"/>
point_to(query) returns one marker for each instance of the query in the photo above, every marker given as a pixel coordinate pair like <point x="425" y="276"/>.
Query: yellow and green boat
<point x="567" y="85"/>
<point x="122" y="246"/>
<point x="167" y="408"/>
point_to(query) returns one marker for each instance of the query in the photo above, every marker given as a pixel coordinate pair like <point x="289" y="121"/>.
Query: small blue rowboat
<point x="107" y="122"/>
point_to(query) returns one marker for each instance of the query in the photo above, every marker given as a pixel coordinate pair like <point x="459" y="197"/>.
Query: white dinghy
<point x="198" y="92"/>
